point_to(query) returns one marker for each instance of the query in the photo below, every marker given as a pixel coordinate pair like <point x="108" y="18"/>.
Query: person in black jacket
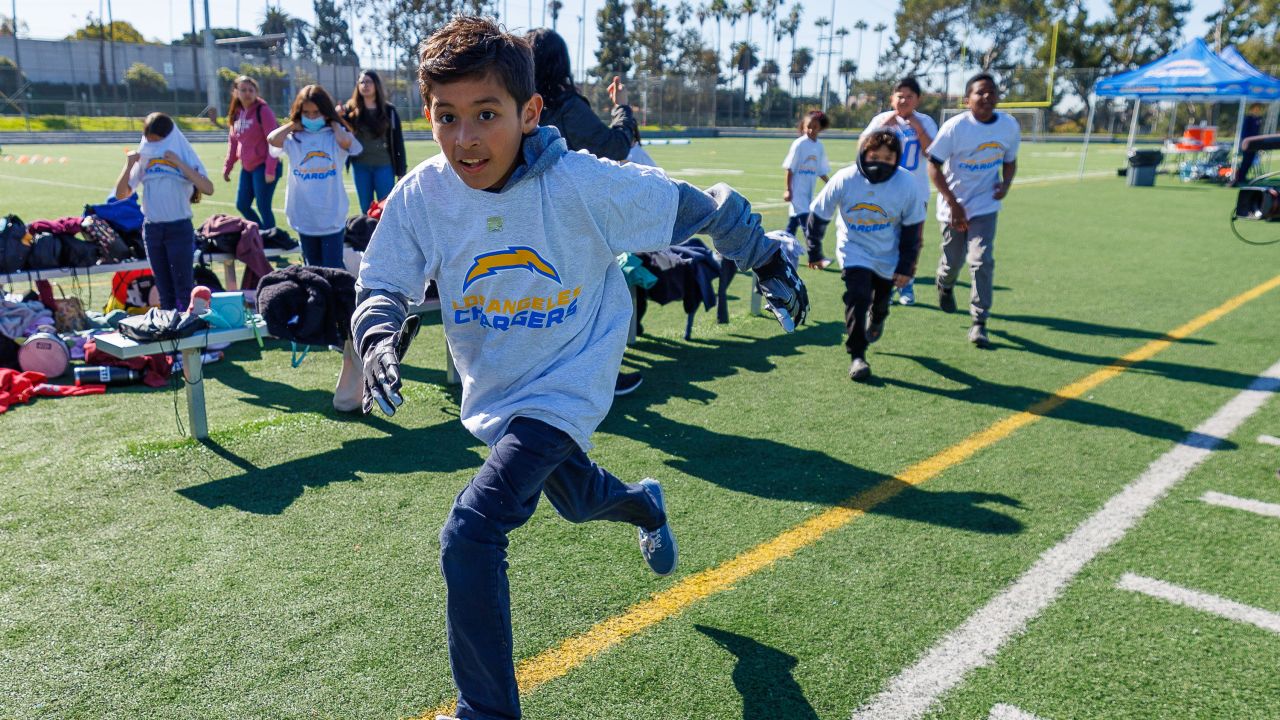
<point x="377" y="127"/>
<point x="565" y="109"/>
<point x="569" y="112"/>
<point x="1250" y="127"/>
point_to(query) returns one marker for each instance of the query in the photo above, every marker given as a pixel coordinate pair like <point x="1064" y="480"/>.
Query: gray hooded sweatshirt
<point x="535" y="308"/>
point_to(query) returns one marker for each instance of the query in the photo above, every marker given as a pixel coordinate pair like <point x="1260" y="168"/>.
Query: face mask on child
<point x="313" y="124"/>
<point x="876" y="171"/>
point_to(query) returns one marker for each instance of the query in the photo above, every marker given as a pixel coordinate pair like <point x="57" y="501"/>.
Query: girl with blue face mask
<point x="317" y="143"/>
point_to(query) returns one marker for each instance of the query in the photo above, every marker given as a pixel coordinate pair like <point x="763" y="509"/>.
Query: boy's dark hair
<point x="968" y="85"/>
<point x="909" y="83"/>
<point x="471" y="47"/>
<point x="817" y="116"/>
<point x="323" y="102"/>
<point x="158" y="124"/>
<point x="883" y="139"/>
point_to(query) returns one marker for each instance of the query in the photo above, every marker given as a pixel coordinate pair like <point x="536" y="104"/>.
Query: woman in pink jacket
<point x="251" y="120"/>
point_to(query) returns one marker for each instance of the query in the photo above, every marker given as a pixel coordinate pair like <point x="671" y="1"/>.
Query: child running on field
<point x="806" y="161"/>
<point x="521" y="236"/>
<point x="881" y="217"/>
<point x="317" y="143"/>
<point x="170" y="173"/>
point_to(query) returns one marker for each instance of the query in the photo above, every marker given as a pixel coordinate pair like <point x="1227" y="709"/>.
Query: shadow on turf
<point x="1081" y="327"/>
<point x="1019" y="398"/>
<point x="771" y="469"/>
<point x="763" y="677"/>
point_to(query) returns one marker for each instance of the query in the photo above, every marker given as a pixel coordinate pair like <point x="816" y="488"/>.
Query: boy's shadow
<point x="763" y="677"/>
<point x="446" y="447"/>
<point x="771" y="469"/>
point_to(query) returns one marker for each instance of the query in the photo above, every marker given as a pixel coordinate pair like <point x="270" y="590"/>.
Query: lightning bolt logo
<point x="160" y="161"/>
<point x="868" y="206"/>
<point x="515" y="257"/>
<point x="314" y="154"/>
<point x="993" y="145"/>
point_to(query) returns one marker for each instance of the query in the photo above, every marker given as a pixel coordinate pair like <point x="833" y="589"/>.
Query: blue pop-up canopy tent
<point x="1194" y="72"/>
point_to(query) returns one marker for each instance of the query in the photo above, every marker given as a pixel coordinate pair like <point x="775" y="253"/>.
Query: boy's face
<point x="905" y="102"/>
<point x="479" y="128"/>
<point x="982" y="99"/>
<point x="881" y="154"/>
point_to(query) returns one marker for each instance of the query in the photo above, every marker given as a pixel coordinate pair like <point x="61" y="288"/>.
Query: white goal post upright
<point x="1031" y="120"/>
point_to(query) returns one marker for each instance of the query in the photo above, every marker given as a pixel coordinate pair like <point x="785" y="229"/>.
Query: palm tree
<point x="791" y="25"/>
<point x="744" y="61"/>
<point x="848" y="69"/>
<point x="719" y="10"/>
<point x="749" y="8"/>
<point x="768" y="75"/>
<point x="556" y="6"/>
<point x="860" y="26"/>
<point x="683" y="12"/>
<point x="800" y="61"/>
<point x="822" y="23"/>
<point x="702" y="13"/>
<point x="879" y="30"/>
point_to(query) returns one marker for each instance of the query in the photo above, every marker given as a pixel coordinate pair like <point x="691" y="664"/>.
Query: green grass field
<point x="288" y="567"/>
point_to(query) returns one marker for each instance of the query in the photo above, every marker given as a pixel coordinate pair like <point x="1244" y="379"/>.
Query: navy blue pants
<point x="322" y="250"/>
<point x="171" y="248"/>
<point x="797" y="222"/>
<point x="531" y="459"/>
<point x="255" y="188"/>
<point x="863" y="290"/>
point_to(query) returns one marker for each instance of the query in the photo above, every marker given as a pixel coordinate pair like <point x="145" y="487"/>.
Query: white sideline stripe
<point x="1269" y="440"/>
<point x="1220" y="606"/>
<point x="1008" y="712"/>
<point x="1239" y="503"/>
<point x="976" y="642"/>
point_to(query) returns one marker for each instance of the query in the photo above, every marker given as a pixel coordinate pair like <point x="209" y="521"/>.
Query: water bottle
<point x="106" y="375"/>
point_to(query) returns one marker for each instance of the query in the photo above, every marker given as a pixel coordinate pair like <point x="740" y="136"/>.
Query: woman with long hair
<point x="568" y="111"/>
<point x="250" y="120"/>
<point x="377" y="126"/>
<point x="317" y="142"/>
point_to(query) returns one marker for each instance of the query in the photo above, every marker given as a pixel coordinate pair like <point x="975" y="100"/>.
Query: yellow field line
<point x="559" y="660"/>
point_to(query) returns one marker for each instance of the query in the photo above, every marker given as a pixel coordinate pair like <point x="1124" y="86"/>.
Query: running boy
<point x="917" y="131"/>
<point x="520" y="236"/>
<point x="878" y="238"/>
<point x="972" y="162"/>
<point x="806" y="161"/>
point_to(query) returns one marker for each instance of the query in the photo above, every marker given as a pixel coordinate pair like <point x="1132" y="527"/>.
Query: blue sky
<point x="166" y="19"/>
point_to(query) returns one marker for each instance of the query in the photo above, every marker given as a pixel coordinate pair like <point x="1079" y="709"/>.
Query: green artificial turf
<point x="288" y="567"/>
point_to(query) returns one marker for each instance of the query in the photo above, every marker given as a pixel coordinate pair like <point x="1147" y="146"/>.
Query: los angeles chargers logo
<point x="993" y="145"/>
<point x="313" y="155"/>
<point x="869" y="207"/>
<point x="515" y="257"/>
<point x="160" y="165"/>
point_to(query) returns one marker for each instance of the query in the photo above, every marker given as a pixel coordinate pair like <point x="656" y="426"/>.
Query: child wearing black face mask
<point x="878" y="237"/>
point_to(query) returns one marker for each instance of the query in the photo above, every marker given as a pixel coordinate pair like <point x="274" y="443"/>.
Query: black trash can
<point x="1142" y="167"/>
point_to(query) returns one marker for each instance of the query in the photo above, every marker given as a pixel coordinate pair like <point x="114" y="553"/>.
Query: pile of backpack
<point x="108" y="233"/>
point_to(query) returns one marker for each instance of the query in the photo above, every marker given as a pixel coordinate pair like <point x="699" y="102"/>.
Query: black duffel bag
<point x="46" y="252"/>
<point x="156" y="324"/>
<point x="78" y="253"/>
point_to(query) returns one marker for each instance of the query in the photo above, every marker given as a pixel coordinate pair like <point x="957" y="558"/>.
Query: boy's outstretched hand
<point x="381" y="369"/>
<point x="783" y="290"/>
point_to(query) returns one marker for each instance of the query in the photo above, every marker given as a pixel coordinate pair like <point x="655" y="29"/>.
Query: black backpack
<point x="156" y="324"/>
<point x="13" y="251"/>
<point x="360" y="231"/>
<point x="77" y="252"/>
<point x="46" y="252"/>
<point x="279" y="239"/>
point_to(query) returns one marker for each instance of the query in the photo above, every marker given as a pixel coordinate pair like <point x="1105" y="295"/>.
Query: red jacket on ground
<point x="17" y="388"/>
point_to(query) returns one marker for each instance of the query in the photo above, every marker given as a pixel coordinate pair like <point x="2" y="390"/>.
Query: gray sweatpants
<point x="977" y="245"/>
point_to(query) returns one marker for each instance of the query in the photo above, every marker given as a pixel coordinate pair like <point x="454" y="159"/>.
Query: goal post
<point x="1031" y="120"/>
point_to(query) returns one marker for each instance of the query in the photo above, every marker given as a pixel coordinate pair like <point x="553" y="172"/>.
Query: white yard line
<point x="1269" y="440"/>
<point x="1187" y="597"/>
<point x="99" y="188"/>
<point x="976" y="643"/>
<point x="1009" y="712"/>
<point x="1239" y="503"/>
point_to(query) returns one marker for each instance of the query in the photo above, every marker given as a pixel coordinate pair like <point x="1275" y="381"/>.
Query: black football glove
<point x="782" y="289"/>
<point x="381" y="369"/>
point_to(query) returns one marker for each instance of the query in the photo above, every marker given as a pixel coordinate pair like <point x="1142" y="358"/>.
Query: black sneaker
<point x="875" y="328"/>
<point x="859" y="370"/>
<point x="946" y="299"/>
<point x="626" y="383"/>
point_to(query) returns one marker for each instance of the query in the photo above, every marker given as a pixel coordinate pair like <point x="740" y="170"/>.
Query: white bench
<point x="117" y="345"/>
<point x="228" y="268"/>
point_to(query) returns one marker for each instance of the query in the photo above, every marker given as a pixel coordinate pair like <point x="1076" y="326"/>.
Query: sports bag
<point x="156" y="324"/>
<point x="13" y="244"/>
<point x="77" y="252"/>
<point x="360" y="231"/>
<point x="46" y="252"/>
<point x="220" y="243"/>
<point x="111" y="249"/>
<point x="123" y="215"/>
